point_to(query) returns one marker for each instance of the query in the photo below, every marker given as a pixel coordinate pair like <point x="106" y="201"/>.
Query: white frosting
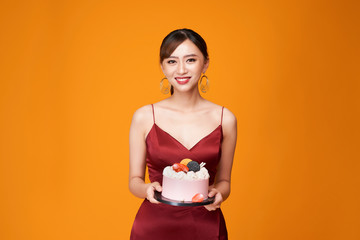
<point x="202" y="174"/>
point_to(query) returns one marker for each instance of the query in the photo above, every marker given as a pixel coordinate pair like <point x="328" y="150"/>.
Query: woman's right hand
<point x="150" y="191"/>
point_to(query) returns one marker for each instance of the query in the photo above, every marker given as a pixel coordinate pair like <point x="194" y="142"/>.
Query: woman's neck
<point x="186" y="101"/>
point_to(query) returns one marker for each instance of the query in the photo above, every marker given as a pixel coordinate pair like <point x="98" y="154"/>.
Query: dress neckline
<point x="179" y="143"/>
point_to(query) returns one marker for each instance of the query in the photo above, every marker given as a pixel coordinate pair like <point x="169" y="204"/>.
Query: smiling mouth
<point x="182" y="80"/>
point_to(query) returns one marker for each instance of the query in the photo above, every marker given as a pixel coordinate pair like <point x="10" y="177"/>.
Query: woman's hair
<point x="175" y="38"/>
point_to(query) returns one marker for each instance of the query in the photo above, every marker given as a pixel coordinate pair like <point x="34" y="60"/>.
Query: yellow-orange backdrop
<point x="73" y="73"/>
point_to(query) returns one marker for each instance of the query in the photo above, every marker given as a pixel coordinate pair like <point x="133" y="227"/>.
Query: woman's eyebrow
<point x="189" y="55"/>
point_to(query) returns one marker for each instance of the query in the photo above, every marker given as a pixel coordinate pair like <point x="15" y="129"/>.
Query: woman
<point x="184" y="125"/>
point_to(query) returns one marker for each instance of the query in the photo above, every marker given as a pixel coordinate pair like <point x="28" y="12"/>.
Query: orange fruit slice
<point x="185" y="161"/>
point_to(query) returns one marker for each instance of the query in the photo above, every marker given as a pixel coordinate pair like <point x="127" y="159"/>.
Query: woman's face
<point x="184" y="67"/>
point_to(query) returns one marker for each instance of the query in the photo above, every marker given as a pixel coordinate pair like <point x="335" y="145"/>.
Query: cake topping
<point x="193" y="171"/>
<point x="178" y="167"/>
<point x="198" y="198"/>
<point x="193" y="166"/>
<point x="185" y="161"/>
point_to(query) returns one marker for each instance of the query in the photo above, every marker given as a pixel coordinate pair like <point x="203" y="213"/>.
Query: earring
<point x="164" y="86"/>
<point x="204" y="87"/>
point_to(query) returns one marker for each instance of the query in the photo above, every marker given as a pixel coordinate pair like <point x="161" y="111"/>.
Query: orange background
<point x="73" y="73"/>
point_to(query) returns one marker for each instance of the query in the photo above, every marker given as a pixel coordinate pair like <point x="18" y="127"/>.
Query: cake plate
<point x="162" y="199"/>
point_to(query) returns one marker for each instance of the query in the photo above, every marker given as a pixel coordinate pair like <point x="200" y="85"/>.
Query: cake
<point x="185" y="181"/>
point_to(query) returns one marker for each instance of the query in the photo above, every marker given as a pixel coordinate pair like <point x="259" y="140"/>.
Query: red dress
<point x="166" y="222"/>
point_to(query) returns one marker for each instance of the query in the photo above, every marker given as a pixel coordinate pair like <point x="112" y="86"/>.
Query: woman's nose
<point x="181" y="68"/>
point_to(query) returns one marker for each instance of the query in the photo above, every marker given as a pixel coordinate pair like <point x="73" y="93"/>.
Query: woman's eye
<point x="171" y="62"/>
<point x="191" y="60"/>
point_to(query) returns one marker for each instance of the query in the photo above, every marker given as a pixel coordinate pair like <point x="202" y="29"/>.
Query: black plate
<point x="160" y="198"/>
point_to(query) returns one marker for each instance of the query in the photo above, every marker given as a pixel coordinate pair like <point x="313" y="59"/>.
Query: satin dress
<point x="167" y="222"/>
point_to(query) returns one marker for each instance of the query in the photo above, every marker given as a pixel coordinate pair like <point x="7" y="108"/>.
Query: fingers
<point x="150" y="195"/>
<point x="217" y="201"/>
<point x="157" y="186"/>
<point x="150" y="192"/>
<point x="212" y="192"/>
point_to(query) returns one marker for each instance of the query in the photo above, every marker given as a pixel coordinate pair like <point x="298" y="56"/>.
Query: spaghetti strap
<point x="222" y="114"/>
<point x="152" y="105"/>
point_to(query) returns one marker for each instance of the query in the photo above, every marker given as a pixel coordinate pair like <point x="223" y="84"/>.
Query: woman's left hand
<point x="217" y="201"/>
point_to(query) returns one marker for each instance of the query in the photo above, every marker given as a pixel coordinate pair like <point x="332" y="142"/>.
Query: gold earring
<point x="164" y="87"/>
<point x="204" y="87"/>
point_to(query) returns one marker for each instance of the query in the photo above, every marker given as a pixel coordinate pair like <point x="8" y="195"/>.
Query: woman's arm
<point x="221" y="187"/>
<point x="138" y="130"/>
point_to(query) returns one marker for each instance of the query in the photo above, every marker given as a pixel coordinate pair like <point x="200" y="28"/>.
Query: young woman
<point x="184" y="125"/>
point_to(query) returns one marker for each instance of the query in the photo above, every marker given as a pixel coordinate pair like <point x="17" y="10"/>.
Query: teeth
<point x="182" y="79"/>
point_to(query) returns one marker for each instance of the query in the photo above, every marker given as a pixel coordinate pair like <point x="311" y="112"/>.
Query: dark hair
<point x="175" y="38"/>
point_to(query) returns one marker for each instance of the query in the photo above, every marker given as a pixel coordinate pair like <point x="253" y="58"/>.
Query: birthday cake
<point x="186" y="181"/>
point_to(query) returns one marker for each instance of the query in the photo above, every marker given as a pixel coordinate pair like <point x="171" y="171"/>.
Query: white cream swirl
<point x="202" y="174"/>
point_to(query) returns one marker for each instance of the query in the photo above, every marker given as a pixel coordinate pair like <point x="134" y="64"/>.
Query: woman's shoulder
<point x="228" y="119"/>
<point x="228" y="116"/>
<point x="143" y="115"/>
<point x="229" y="123"/>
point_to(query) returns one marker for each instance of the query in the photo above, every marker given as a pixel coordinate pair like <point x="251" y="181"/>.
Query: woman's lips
<point x="182" y="80"/>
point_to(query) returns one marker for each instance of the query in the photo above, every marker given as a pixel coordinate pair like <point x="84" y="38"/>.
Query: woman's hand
<point x="217" y="202"/>
<point x="150" y="191"/>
